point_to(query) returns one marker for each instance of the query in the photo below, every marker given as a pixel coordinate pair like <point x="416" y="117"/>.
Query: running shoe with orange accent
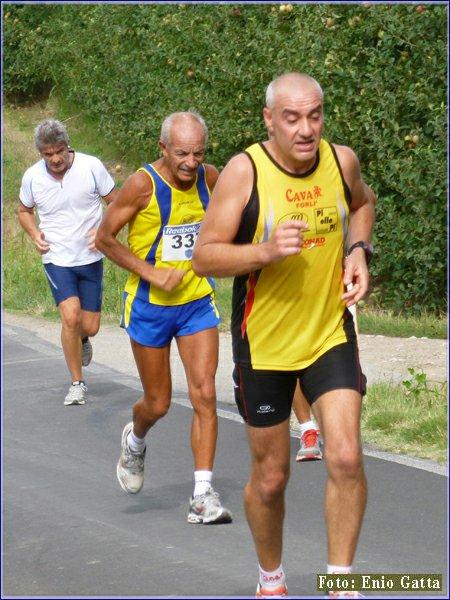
<point x="309" y="446"/>
<point x="279" y="592"/>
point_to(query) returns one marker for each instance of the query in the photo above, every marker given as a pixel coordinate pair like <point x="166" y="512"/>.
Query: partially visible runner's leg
<point x="154" y="369"/>
<point x="199" y="353"/>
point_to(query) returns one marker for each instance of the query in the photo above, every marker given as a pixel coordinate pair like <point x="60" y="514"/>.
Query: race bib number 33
<point x="178" y="241"/>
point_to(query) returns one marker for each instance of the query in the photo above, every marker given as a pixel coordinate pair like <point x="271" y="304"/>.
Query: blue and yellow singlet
<point x="164" y="234"/>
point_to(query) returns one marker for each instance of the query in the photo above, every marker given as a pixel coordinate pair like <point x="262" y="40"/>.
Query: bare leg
<point x="154" y="369"/>
<point x="264" y="493"/>
<point x="199" y="353"/>
<point x="346" y="489"/>
<point x="90" y="323"/>
<point x="300" y="405"/>
<point x="70" y="313"/>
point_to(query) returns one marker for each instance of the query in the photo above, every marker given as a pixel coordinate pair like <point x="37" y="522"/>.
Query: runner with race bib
<point x="164" y="204"/>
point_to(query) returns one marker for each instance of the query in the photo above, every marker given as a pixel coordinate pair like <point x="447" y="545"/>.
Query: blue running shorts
<point x="156" y="325"/>
<point x="85" y="282"/>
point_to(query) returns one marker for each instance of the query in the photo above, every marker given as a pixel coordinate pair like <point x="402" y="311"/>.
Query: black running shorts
<point x="264" y="398"/>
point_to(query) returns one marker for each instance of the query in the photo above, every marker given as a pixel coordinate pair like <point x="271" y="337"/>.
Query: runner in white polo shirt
<point x="66" y="188"/>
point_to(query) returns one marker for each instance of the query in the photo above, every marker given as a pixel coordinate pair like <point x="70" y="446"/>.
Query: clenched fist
<point x="41" y="245"/>
<point x="167" y="279"/>
<point x="286" y="240"/>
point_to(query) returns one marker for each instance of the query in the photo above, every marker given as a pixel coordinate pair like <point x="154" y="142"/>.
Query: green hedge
<point x="383" y="69"/>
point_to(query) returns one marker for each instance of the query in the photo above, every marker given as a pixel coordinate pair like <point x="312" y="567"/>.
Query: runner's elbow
<point x="102" y="241"/>
<point x="198" y="267"/>
<point x="199" y="264"/>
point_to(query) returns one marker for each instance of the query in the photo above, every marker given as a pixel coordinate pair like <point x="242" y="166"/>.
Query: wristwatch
<point x="368" y="249"/>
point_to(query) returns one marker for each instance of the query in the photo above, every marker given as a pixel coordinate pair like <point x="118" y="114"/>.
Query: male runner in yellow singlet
<point x="278" y="222"/>
<point x="164" y="204"/>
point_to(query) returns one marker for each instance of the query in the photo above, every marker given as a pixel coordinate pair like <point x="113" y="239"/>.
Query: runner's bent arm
<point x="214" y="252"/>
<point x="131" y="198"/>
<point x="362" y="216"/>
<point x="28" y="222"/>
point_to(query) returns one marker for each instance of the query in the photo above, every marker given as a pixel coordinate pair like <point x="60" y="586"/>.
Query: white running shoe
<point x="86" y="352"/>
<point x="130" y="468"/>
<point x="76" y="394"/>
<point x="206" y="508"/>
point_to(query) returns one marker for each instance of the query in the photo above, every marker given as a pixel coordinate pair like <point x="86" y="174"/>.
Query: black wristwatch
<point x="368" y="249"/>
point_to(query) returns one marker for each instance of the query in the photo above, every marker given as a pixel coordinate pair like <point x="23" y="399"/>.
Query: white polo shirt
<point x="69" y="208"/>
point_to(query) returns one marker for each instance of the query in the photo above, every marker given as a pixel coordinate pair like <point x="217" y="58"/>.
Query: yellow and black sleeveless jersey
<point x="164" y="234"/>
<point x="286" y="315"/>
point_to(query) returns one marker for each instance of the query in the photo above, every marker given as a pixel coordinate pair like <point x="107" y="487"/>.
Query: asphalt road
<point x="69" y="530"/>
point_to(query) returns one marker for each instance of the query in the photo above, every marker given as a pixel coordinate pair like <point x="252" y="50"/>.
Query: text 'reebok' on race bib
<point x="178" y="241"/>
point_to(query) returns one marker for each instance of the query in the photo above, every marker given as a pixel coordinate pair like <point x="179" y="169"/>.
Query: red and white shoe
<point x="309" y="446"/>
<point x="279" y="592"/>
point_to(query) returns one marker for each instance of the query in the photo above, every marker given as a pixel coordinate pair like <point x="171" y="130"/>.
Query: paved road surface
<point x="69" y="530"/>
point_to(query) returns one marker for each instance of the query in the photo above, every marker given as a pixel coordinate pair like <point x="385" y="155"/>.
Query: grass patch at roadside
<point x="407" y="419"/>
<point x="382" y="322"/>
<point x="223" y="293"/>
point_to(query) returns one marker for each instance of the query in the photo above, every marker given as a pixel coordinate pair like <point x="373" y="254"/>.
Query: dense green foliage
<point x="382" y="67"/>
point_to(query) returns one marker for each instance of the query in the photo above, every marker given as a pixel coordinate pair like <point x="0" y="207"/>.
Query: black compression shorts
<point x="264" y="398"/>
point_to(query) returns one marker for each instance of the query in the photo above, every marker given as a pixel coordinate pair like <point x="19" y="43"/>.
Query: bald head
<point x="287" y="83"/>
<point x="182" y="121"/>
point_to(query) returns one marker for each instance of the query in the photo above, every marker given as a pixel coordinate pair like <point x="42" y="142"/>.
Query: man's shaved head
<point x="289" y="80"/>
